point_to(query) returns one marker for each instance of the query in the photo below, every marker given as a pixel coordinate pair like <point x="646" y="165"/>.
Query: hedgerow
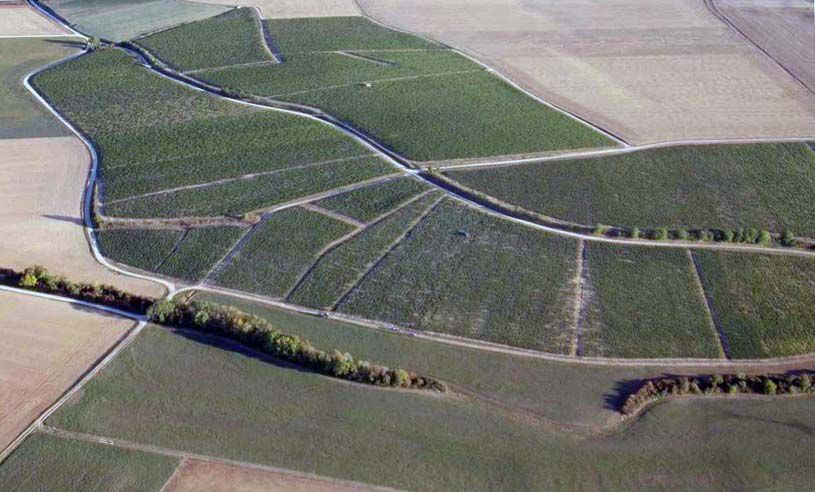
<point x="39" y="279"/>
<point x="717" y="384"/>
<point x="259" y="334"/>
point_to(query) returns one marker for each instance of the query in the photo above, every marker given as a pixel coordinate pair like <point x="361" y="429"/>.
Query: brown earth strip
<point x="45" y="346"/>
<point x="20" y="20"/>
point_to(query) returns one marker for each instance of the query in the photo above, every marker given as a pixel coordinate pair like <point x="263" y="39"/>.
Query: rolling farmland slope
<point x="422" y="103"/>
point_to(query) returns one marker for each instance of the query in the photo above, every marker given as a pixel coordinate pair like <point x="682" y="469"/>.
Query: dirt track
<point x="647" y="70"/>
<point x="284" y="9"/>
<point x="44" y="347"/>
<point x="41" y="188"/>
<point x="199" y="476"/>
<point x="19" y="20"/>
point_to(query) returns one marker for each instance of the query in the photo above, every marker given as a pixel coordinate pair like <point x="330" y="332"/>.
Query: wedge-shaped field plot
<point x="185" y="254"/>
<point x="417" y="97"/>
<point x="763" y="186"/>
<point x="279" y="250"/>
<point x="18" y="19"/>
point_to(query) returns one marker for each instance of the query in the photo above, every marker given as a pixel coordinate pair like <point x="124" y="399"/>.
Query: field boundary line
<point x="175" y="453"/>
<point x="589" y="154"/>
<point x="348" y="237"/>
<point x="714" y="9"/>
<point x="388" y="250"/>
<point x="375" y="81"/>
<point x="173" y="250"/>
<point x="579" y="292"/>
<point x="218" y="268"/>
<point x="178" y="468"/>
<point x="357" y="56"/>
<point x="333" y="215"/>
<point x="715" y="322"/>
<point x="85" y="377"/>
<point x="241" y="177"/>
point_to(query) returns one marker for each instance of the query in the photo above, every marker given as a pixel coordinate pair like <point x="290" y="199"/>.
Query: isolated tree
<point x="661" y="234"/>
<point x="765" y="238"/>
<point x="635" y="233"/>
<point x="94" y="43"/>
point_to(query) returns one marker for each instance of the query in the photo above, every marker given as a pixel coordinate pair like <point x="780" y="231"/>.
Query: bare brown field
<point x="41" y="187"/>
<point x="20" y="20"/>
<point x="783" y="28"/>
<point x="646" y="70"/>
<point x="45" y="346"/>
<point x="289" y="9"/>
<point x="198" y="476"/>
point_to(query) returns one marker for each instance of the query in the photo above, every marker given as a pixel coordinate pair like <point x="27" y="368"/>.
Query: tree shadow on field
<point x="68" y="44"/>
<point x="616" y="399"/>
<point x="238" y="348"/>
<point x="65" y="218"/>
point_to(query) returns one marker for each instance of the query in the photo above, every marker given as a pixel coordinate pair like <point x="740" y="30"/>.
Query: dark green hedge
<point x="733" y="384"/>
<point x="259" y="334"/>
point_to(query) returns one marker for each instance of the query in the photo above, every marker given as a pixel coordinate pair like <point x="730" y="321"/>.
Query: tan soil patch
<point x="785" y="29"/>
<point x="20" y="20"/>
<point x="289" y="9"/>
<point x="197" y="476"/>
<point x="647" y="70"/>
<point x="41" y="188"/>
<point x="45" y="346"/>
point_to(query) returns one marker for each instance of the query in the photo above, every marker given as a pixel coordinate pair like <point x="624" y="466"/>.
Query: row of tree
<point x="733" y="384"/>
<point x="40" y="279"/>
<point x="739" y="235"/>
<point x="258" y="333"/>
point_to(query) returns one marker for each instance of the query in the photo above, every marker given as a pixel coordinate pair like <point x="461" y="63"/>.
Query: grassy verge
<point x="156" y="136"/>
<point x="761" y="186"/>
<point x="337" y="271"/>
<point x="47" y="463"/>
<point x="231" y="38"/>
<point x="643" y="302"/>
<point x="280" y="250"/>
<point x="766" y="304"/>
<point x="465" y="273"/>
<point x="257" y="412"/>
<point x="369" y="203"/>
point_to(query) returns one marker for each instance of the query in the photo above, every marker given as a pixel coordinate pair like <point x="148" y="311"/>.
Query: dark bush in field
<point x="656" y="389"/>
<point x="39" y="279"/>
<point x="259" y="334"/>
<point x="787" y="238"/>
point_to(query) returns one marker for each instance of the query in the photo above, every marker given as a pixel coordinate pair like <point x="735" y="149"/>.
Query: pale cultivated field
<point x="20" y="20"/>
<point x="647" y="70"/>
<point x="197" y="476"/>
<point x="288" y="9"/>
<point x="45" y="346"/>
<point x="41" y="188"/>
<point x="783" y="28"/>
